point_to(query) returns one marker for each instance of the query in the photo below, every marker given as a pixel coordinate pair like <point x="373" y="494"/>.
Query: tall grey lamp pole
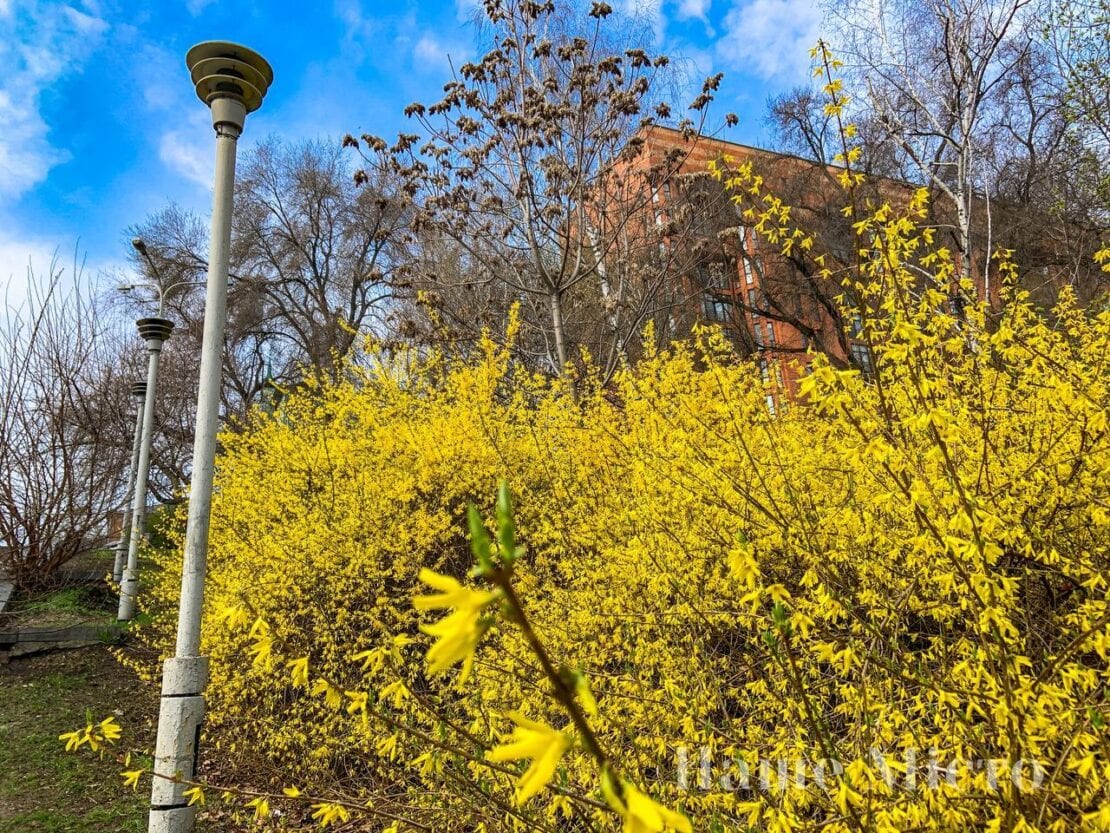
<point x="231" y="80"/>
<point x="154" y="331"/>
<point x="138" y="391"/>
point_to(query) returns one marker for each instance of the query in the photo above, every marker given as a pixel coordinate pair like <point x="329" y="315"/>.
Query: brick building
<point x="777" y="308"/>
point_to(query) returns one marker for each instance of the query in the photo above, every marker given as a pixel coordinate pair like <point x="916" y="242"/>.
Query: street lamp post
<point x="231" y="80"/>
<point x="154" y="331"/>
<point x="138" y="391"/>
<point x="163" y="292"/>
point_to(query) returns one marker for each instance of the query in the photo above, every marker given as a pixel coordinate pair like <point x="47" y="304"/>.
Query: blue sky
<point x="99" y="125"/>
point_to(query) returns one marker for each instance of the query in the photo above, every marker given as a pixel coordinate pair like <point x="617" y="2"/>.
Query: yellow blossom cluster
<point x="913" y="563"/>
<point x="94" y="735"/>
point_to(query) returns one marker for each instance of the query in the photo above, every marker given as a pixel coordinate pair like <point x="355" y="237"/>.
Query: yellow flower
<point x="95" y="735"/>
<point x="332" y="695"/>
<point x="585" y="695"/>
<point x="291" y="792"/>
<point x="131" y="778"/>
<point x="262" y="650"/>
<point x="458" y="636"/>
<point x="452" y="594"/>
<point x="91" y="738"/>
<point x="358" y="703"/>
<point x="195" y="795"/>
<point x="396" y="693"/>
<point x="539" y="742"/>
<point x="298" y="670"/>
<point x="327" y="814"/>
<point x="261" y="808"/>
<point x="233" y="615"/>
<point x="459" y="633"/>
<point x="109" y="730"/>
<point x="640" y="813"/>
<point x="369" y="658"/>
<point x="73" y="740"/>
<point x="387" y="747"/>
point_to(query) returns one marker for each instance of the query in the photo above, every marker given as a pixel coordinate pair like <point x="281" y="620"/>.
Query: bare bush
<point x="61" y="460"/>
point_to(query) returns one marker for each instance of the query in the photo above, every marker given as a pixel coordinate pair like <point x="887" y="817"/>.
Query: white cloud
<point x="39" y="45"/>
<point x="466" y="9"/>
<point x="195" y="7"/>
<point x="693" y="9"/>
<point x="430" y="54"/>
<point x="160" y="75"/>
<point x="646" y="11"/>
<point x="15" y="258"/>
<point x="358" y="24"/>
<point x="189" y="149"/>
<point x="770" y="38"/>
<point x="20" y="257"/>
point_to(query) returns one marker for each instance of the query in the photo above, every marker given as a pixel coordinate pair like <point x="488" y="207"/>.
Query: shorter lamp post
<point x="154" y="331"/>
<point x="162" y="292"/>
<point x="138" y="391"/>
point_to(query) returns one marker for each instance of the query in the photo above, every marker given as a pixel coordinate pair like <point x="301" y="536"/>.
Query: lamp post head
<point x="138" y="389"/>
<point x="154" y="329"/>
<point x="227" y="72"/>
<point x="138" y="245"/>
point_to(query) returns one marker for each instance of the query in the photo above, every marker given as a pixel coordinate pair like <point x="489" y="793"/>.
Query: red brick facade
<point x="749" y="271"/>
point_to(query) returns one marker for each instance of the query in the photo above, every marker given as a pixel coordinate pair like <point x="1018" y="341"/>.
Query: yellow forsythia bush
<point x="892" y="593"/>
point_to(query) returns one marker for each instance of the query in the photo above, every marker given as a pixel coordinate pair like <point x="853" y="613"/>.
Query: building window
<point x="861" y="356"/>
<point x="765" y="371"/>
<point x="715" y="309"/>
<point x="771" y="404"/>
<point x="749" y="273"/>
<point x="717" y="274"/>
<point x="856" y="325"/>
<point x="764" y="332"/>
<point x="711" y="275"/>
<point x="757" y="300"/>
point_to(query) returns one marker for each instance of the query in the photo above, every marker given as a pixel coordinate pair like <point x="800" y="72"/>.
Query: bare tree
<point x="934" y="74"/>
<point x="1077" y="33"/>
<point x="962" y="96"/>
<point x="310" y="271"/>
<point x="314" y="250"/>
<point x="801" y="126"/>
<point x="533" y="167"/>
<point x="311" y="263"/>
<point x="61" y="465"/>
<point x="1047" y="181"/>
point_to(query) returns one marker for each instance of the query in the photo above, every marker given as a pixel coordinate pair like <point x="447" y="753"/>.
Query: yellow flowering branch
<point x="459" y="634"/>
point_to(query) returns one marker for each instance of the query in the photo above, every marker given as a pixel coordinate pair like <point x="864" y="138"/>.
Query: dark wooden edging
<point x="29" y="640"/>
